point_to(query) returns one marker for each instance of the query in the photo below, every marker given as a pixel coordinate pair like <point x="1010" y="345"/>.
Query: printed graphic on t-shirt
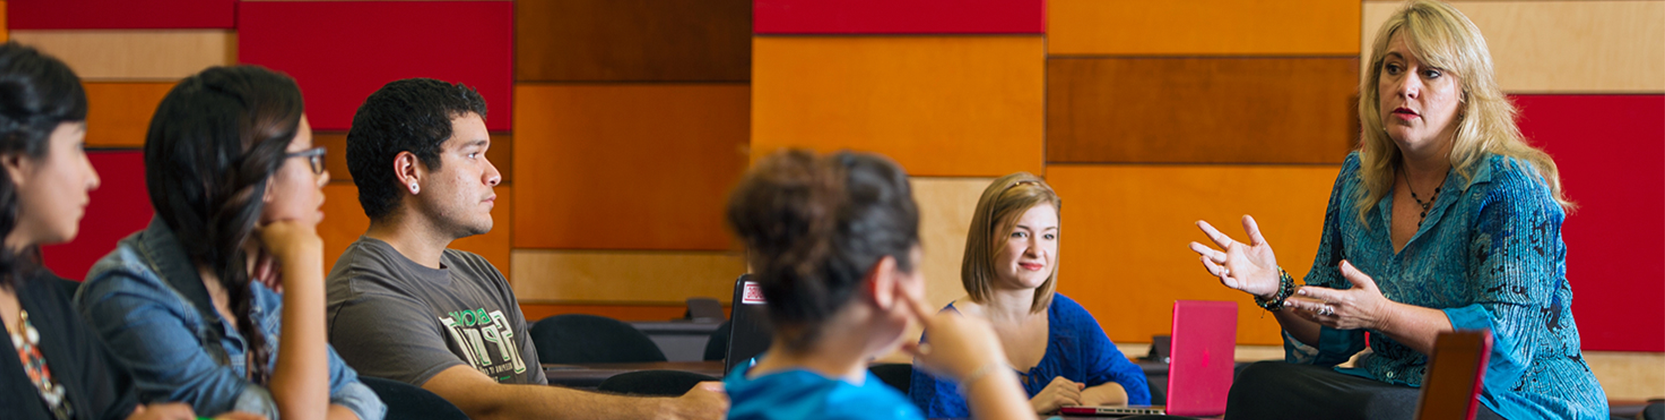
<point x="487" y="340"/>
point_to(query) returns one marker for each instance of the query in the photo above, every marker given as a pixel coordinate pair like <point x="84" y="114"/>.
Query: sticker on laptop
<point x="752" y="294"/>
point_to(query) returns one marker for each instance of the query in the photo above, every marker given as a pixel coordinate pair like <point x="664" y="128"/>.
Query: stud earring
<point x="413" y="188"/>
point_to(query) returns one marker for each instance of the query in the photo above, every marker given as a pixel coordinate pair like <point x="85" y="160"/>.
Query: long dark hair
<point x="215" y="141"/>
<point x="37" y="93"/>
<point x="813" y="227"/>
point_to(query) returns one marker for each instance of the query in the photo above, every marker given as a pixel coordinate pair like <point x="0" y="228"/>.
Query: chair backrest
<point x="749" y="331"/>
<point x="580" y="338"/>
<point x="657" y="383"/>
<point x="406" y="401"/>
<point x="704" y="309"/>
<point x="716" y="347"/>
<point x="897" y="375"/>
<point x="1456" y="372"/>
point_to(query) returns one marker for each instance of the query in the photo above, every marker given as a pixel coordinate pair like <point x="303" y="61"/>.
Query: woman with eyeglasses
<point x="192" y="303"/>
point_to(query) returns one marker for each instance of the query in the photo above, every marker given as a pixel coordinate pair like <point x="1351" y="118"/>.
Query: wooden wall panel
<point x="537" y="311"/>
<point x="1628" y="376"/>
<point x="1563" y="46"/>
<point x="610" y="40"/>
<point x="122" y="14"/>
<point x="119" y="207"/>
<point x="134" y="55"/>
<point x="900" y="17"/>
<point x="344" y="221"/>
<point x="340" y="52"/>
<point x="1610" y="150"/>
<point x="945" y="208"/>
<point x="624" y="277"/>
<point x="5" y="24"/>
<point x="1125" y="228"/>
<point x="500" y="155"/>
<point x="1197" y="110"/>
<point x="941" y="106"/>
<point x="1204" y="27"/>
<point x="627" y="166"/>
<point x="118" y="113"/>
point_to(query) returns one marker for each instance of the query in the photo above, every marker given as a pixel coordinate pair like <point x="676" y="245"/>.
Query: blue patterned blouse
<point x="1490" y="256"/>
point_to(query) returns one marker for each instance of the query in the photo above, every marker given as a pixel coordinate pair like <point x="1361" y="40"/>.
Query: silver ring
<point x="1225" y="272"/>
<point x="1326" y="311"/>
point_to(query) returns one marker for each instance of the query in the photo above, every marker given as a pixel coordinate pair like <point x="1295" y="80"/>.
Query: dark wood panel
<point x="1201" y="110"/>
<point x="501" y="154"/>
<point x="633" y="40"/>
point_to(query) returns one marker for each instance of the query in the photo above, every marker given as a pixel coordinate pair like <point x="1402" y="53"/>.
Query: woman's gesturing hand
<point x="1362" y="306"/>
<point x="1247" y="267"/>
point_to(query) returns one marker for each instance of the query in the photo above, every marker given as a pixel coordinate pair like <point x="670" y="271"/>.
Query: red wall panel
<point x="121" y="14"/>
<point x="1611" y="152"/>
<point x="119" y="207"/>
<point x="899" y="16"/>
<point x="340" y="52"/>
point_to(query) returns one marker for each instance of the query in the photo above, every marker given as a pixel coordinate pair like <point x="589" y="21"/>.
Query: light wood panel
<point x="1562" y="46"/>
<point x="1196" y="110"/>
<point x="1635" y="376"/>
<point x="945" y="209"/>
<point x="624" y="277"/>
<point x="135" y="55"/>
<point x="1123" y="252"/>
<point x="941" y="106"/>
<point x="344" y="221"/>
<point x="627" y="166"/>
<point x="501" y="155"/>
<point x="1202" y="27"/>
<point x="535" y="311"/>
<point x="118" y="113"/>
<point x="624" y="41"/>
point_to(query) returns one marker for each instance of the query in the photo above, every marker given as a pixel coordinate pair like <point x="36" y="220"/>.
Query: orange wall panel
<point x="344" y="221"/>
<point x="118" y="113"/>
<point x="627" y="166"/>
<point x="1123" y="237"/>
<point x="1202" y="27"/>
<point x="940" y="106"/>
<point x="500" y="155"/>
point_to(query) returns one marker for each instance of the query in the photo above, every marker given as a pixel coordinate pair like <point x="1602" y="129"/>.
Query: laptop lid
<point x="1456" y="373"/>
<point x="1204" y="346"/>
<point x="749" y="332"/>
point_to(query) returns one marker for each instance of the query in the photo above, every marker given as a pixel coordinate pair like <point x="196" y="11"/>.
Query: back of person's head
<point x="997" y="213"/>
<point x="214" y="142"/>
<point x="1441" y="37"/>
<point x="37" y="94"/>
<point x="814" y="227"/>
<point x="410" y="115"/>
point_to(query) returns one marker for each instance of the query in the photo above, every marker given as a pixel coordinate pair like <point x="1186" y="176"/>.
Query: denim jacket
<point x="148" y="303"/>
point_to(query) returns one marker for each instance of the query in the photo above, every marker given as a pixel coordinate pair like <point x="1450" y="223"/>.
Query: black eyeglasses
<point x="314" y="157"/>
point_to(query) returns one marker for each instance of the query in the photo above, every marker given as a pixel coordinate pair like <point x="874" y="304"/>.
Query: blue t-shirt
<point x="801" y="394"/>
<point x="1076" y="349"/>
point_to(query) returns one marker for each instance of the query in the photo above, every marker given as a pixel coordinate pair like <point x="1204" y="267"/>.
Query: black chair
<point x="657" y="383"/>
<point x="716" y="347"/>
<point x="579" y="338"/>
<point x="406" y="401"/>
<point x="703" y="309"/>
<point x="897" y="375"/>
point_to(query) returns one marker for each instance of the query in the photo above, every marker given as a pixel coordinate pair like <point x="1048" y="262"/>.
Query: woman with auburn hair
<point x="1444" y="219"/>
<point x="1010" y="275"/>
<point x="196" y="303"/>
<point x="56" y="367"/>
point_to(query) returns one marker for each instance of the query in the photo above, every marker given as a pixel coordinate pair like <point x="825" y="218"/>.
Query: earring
<point x="413" y="188"/>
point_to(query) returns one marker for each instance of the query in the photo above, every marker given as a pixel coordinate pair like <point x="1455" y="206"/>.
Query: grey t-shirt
<point x="390" y="317"/>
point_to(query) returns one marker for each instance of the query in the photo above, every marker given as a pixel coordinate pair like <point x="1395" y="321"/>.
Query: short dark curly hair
<point x="410" y="115"/>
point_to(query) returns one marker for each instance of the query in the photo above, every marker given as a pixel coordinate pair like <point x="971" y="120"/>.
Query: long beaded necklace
<point x="26" y="340"/>
<point x="1425" y="205"/>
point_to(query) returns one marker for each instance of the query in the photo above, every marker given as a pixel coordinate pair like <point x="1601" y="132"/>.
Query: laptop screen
<point x="749" y="333"/>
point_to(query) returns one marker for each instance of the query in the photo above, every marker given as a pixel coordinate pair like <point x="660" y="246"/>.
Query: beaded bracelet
<point x="1286" y="288"/>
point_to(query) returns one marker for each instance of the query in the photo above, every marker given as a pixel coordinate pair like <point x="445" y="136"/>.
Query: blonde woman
<point x="1444" y="219"/>
<point x="1010" y="276"/>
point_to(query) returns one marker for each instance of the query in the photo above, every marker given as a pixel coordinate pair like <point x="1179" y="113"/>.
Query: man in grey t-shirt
<point x="403" y="307"/>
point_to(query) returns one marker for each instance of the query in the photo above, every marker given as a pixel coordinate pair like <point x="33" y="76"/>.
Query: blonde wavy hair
<point x="997" y="213"/>
<point x="1441" y="36"/>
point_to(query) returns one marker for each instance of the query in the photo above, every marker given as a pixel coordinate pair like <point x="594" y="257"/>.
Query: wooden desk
<point x="590" y="375"/>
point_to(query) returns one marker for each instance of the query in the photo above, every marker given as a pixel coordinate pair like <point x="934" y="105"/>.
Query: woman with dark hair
<point x="1010" y="274"/>
<point x="834" y="244"/>
<point x="61" y="371"/>
<point x="236" y="183"/>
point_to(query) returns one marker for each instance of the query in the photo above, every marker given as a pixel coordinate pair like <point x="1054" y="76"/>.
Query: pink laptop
<point x="1200" y="368"/>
